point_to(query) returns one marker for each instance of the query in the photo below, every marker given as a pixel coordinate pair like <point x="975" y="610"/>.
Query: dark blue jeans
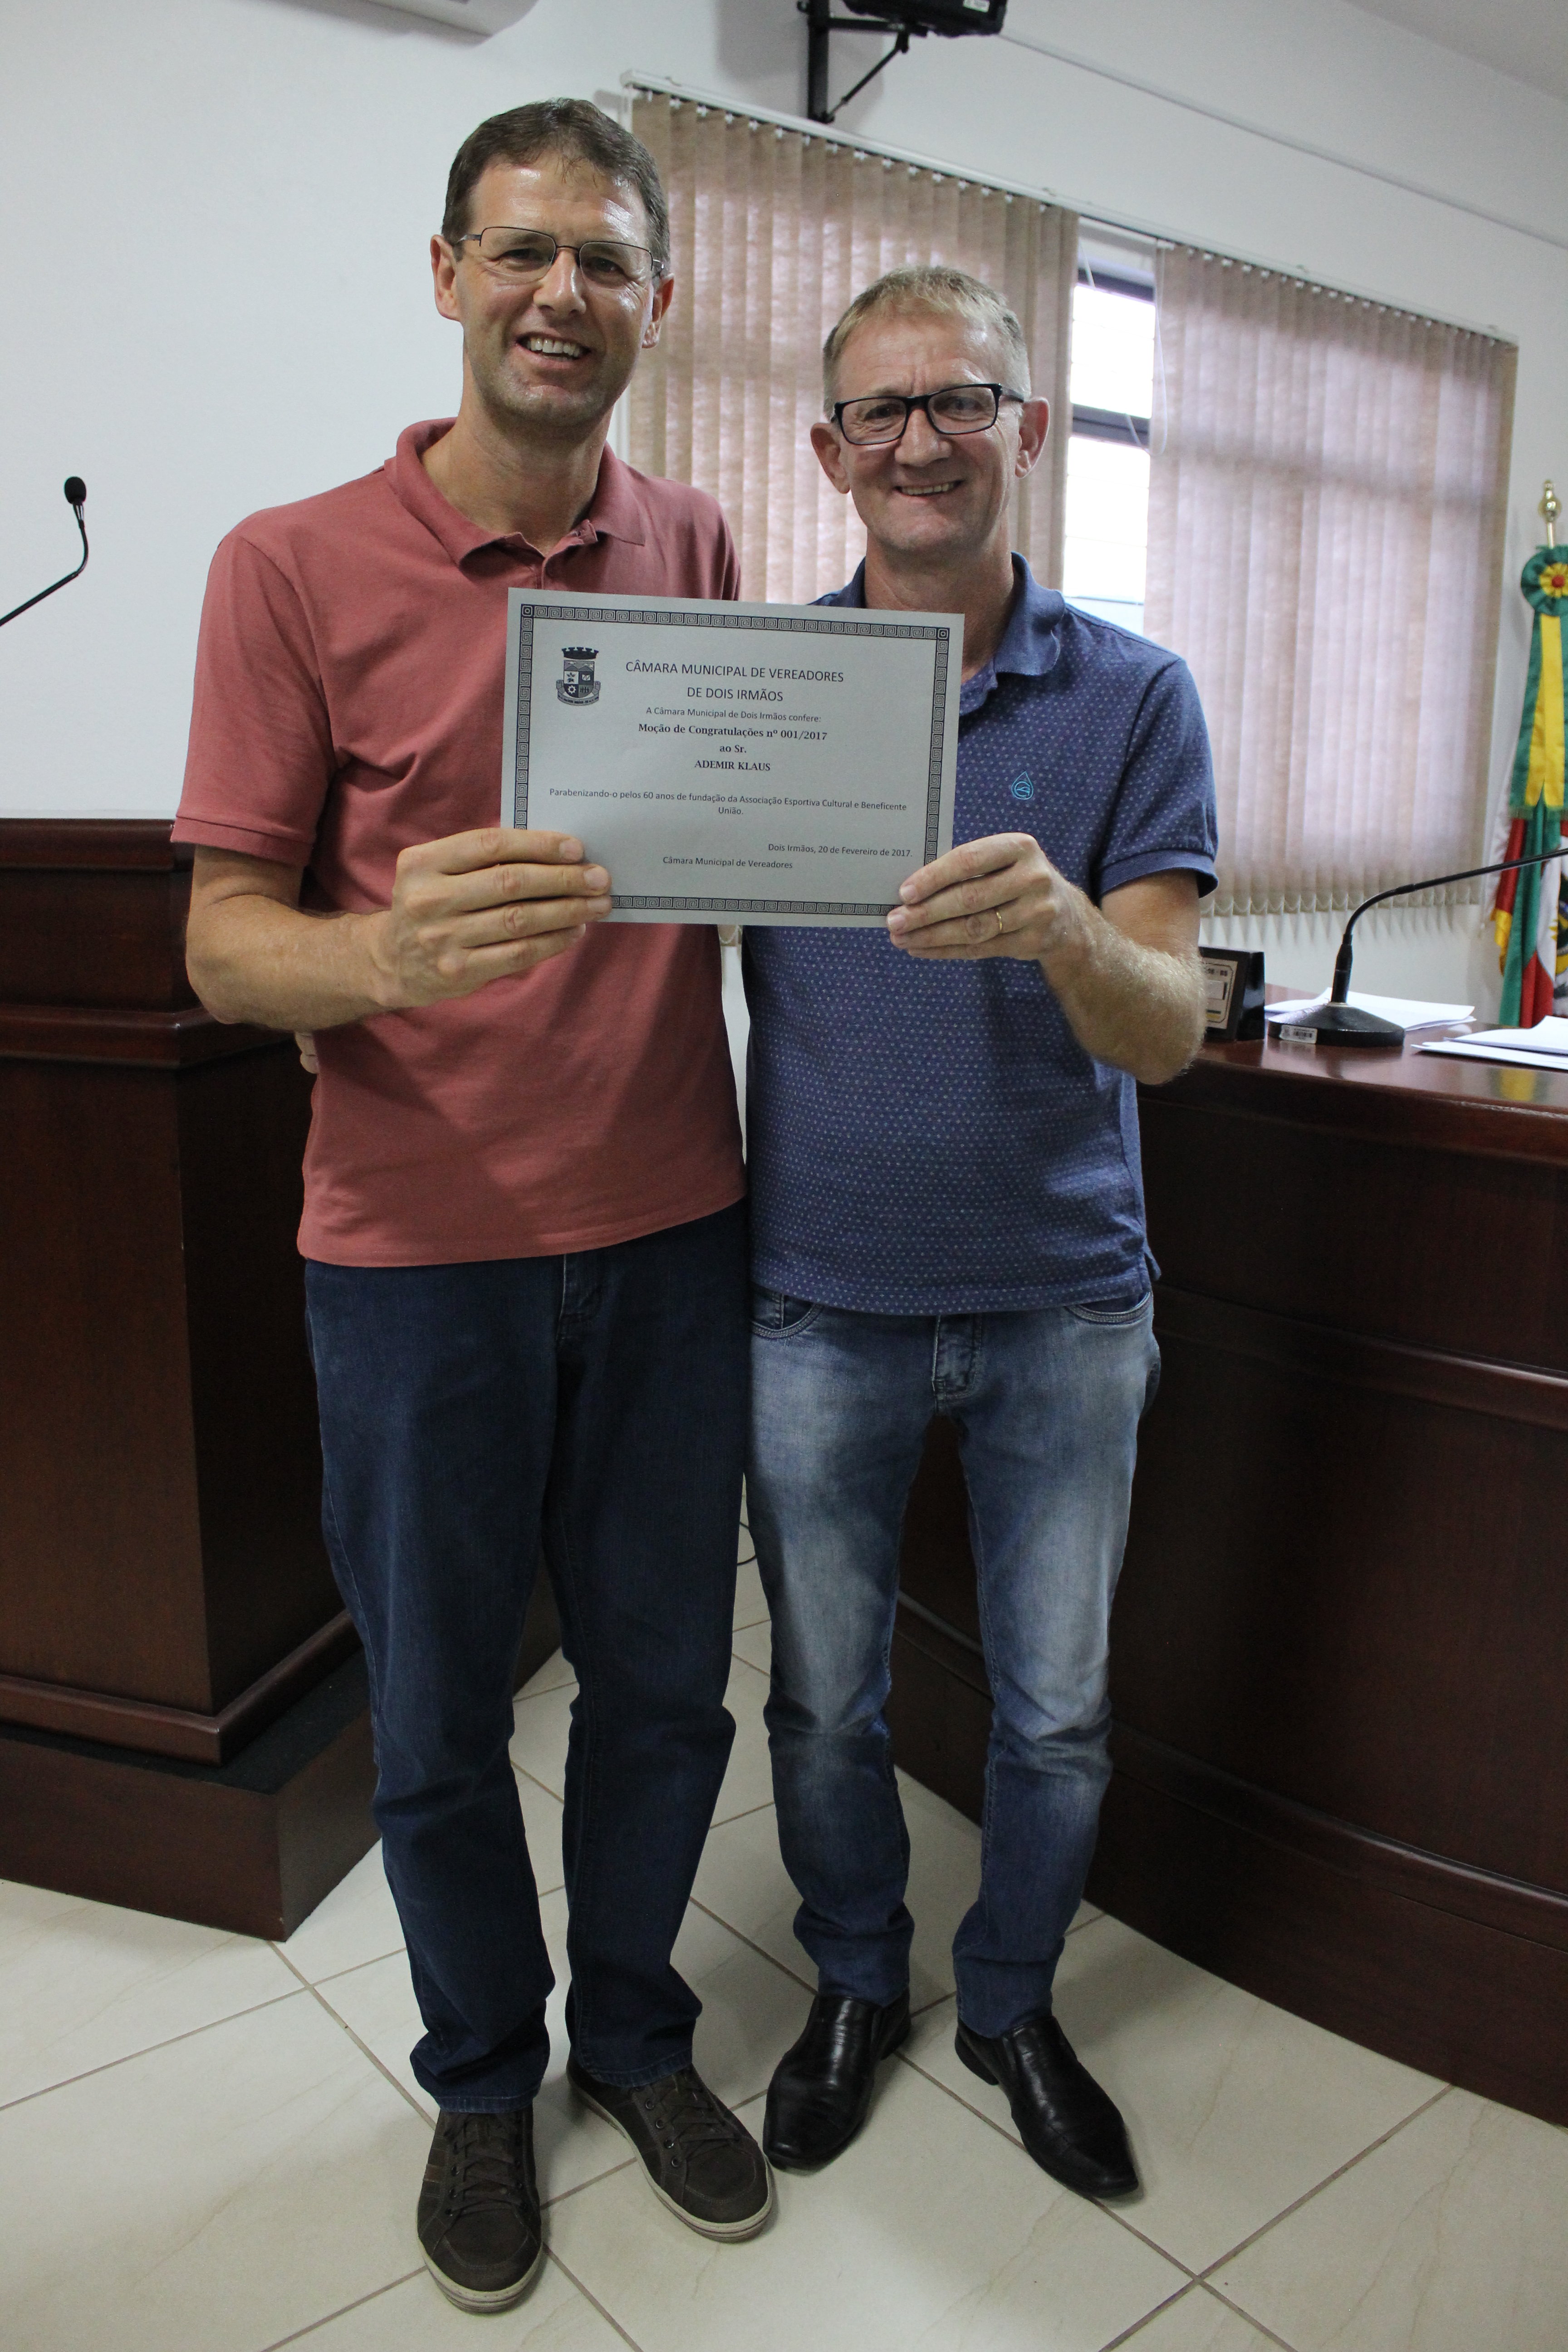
<point x="1047" y="1405"/>
<point x="593" y="1405"/>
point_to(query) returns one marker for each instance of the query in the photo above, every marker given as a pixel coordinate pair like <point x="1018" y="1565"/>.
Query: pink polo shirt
<point x="348" y="704"/>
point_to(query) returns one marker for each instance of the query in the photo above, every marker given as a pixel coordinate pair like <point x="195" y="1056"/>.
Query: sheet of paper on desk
<point x="1544" y="1047"/>
<point x="1405" y="1010"/>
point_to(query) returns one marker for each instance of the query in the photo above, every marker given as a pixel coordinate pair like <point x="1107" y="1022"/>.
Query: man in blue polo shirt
<point x="948" y="1218"/>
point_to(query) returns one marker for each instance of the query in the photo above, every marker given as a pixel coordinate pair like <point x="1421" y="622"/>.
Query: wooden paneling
<point x="1368" y="1608"/>
<point x="1417" y="1243"/>
<point x="1422" y="1983"/>
<point x="162" y="1041"/>
<point x="158" y="1451"/>
<point x="242" y="1125"/>
<point x="93" y="914"/>
<point x="103" y="1581"/>
<point x="1340" y="1645"/>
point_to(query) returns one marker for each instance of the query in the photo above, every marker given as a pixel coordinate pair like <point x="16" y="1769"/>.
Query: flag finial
<point x="1551" y="506"/>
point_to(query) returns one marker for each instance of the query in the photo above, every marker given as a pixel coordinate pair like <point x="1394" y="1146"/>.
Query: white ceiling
<point x="1526" y="38"/>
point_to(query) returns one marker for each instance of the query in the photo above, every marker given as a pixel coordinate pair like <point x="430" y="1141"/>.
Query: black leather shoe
<point x="821" y="2090"/>
<point x="1064" y="2120"/>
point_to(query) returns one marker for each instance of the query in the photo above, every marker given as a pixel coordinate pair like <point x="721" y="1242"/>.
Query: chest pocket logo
<point x="1023" y="788"/>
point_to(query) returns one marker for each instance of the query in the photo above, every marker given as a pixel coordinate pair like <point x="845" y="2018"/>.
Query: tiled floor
<point x="209" y="2144"/>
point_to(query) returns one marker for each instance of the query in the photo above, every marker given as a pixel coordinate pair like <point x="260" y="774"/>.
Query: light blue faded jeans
<point x="1046" y="1406"/>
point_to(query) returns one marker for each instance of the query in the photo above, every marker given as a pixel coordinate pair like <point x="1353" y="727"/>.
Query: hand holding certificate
<point x="769" y="763"/>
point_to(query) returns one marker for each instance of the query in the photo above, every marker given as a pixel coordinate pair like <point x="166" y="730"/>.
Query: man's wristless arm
<point x="466" y="910"/>
<point x="1133" y="1000"/>
<point x="254" y="958"/>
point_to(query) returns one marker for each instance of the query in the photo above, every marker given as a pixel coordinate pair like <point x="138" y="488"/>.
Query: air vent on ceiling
<point x="473" y="15"/>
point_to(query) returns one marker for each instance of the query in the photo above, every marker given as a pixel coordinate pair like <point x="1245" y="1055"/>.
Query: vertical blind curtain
<point x="774" y="233"/>
<point x="1326" y="510"/>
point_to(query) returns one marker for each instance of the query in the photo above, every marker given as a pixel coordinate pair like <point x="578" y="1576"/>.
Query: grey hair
<point x="951" y="293"/>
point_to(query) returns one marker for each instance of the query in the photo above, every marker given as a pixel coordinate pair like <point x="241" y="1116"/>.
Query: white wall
<point x="218" y="297"/>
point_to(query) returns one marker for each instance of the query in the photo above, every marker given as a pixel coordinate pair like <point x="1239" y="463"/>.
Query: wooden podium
<point x="182" y="1700"/>
<point x="183" y="1715"/>
<point x="1340" y="1648"/>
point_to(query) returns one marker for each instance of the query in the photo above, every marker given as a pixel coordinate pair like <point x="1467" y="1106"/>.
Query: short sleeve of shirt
<point x="259" y="762"/>
<point x="1162" y="815"/>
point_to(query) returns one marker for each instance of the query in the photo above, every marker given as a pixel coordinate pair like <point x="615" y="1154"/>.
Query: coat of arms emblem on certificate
<point x="576" y="682"/>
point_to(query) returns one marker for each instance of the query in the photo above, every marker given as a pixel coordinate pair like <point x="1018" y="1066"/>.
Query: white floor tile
<point x="356" y="1922"/>
<point x="538" y="1739"/>
<point x="1197" y="2322"/>
<point x="930" y="2232"/>
<point x="550" y="1675"/>
<point x="376" y="2003"/>
<point x="748" y="1778"/>
<point x="207" y="2197"/>
<point x="1452" y="2237"/>
<point x="553" y="2316"/>
<point x="83" y="1984"/>
<point x="945" y="1878"/>
<point x="743" y="1880"/>
<point x="1205" y="2075"/>
<point x="751" y="1600"/>
<point x="755" y="1645"/>
<point x="542" y="1818"/>
<point x="751" y="2012"/>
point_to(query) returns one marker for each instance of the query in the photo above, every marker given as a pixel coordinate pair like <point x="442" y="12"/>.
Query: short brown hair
<point x="938" y="288"/>
<point x="576" y="133"/>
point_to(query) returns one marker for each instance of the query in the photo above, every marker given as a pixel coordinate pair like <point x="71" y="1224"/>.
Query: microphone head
<point x="75" y="491"/>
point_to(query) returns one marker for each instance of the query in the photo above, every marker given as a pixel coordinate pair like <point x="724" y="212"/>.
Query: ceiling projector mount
<point x="902" y="18"/>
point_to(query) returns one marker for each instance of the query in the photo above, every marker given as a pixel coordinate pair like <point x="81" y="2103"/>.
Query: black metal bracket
<point x="821" y="25"/>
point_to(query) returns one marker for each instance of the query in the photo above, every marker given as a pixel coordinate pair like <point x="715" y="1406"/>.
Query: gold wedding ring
<point x="1001" y="926"/>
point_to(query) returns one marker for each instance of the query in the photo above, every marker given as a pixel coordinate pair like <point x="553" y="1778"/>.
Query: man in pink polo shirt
<point x="524" y="1222"/>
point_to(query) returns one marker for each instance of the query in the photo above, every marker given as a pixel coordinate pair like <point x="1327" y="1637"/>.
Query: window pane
<point x="1107" y="529"/>
<point x="1112" y="350"/>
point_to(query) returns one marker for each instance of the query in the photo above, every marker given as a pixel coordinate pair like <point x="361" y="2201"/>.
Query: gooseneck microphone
<point x="76" y="499"/>
<point x="1338" y="1023"/>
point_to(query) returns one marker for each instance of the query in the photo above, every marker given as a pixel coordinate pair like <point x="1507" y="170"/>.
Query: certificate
<point x="762" y="764"/>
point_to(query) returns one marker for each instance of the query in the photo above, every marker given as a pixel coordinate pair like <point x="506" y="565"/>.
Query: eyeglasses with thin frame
<point x="957" y="408"/>
<point x="527" y="254"/>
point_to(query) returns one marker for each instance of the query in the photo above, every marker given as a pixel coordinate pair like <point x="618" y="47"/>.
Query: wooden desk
<point x="1340" y="1650"/>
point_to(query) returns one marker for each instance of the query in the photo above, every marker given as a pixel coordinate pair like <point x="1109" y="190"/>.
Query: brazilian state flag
<point x="1526" y="912"/>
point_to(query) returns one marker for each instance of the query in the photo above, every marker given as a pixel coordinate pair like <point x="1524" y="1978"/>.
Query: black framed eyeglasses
<point x="527" y="254"/>
<point x="957" y="408"/>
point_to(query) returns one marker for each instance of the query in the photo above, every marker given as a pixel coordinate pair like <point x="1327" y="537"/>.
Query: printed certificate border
<point x="839" y="624"/>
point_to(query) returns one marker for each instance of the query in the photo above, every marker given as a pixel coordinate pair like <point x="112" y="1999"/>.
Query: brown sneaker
<point x="700" y="2160"/>
<point x="479" y="2209"/>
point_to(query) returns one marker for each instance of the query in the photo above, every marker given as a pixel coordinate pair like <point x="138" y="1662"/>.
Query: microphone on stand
<point x="1339" y="1024"/>
<point x="75" y="497"/>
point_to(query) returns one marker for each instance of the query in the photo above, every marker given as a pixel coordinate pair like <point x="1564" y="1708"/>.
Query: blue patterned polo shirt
<point x="931" y="1139"/>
